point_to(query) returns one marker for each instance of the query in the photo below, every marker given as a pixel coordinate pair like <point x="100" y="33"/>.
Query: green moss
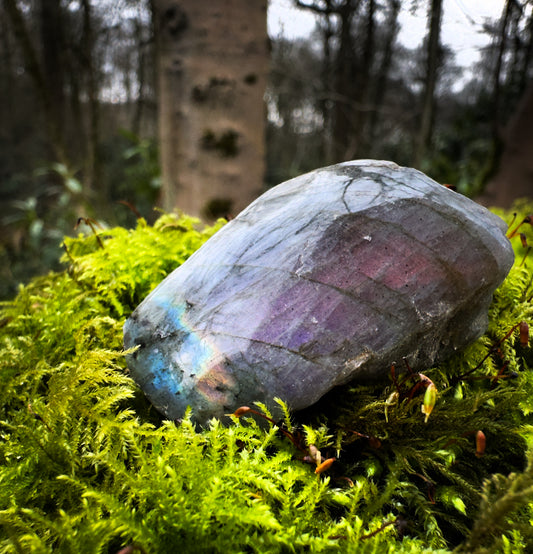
<point x="86" y="465"/>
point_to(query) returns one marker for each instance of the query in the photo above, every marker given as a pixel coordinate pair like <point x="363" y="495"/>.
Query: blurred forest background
<point x="87" y="109"/>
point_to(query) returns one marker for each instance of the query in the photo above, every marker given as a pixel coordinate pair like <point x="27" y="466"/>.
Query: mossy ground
<point x="86" y="465"/>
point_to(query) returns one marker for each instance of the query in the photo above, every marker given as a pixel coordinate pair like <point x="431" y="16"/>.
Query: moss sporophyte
<point x="87" y="465"/>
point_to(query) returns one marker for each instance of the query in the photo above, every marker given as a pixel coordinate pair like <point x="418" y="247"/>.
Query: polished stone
<point x="325" y="279"/>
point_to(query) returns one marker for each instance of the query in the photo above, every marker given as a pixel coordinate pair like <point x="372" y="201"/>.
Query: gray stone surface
<point x="324" y="279"/>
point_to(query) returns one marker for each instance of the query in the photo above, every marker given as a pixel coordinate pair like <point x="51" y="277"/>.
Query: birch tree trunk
<point x="212" y="69"/>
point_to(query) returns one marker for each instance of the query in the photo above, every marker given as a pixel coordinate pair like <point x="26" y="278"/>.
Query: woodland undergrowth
<point x="88" y="466"/>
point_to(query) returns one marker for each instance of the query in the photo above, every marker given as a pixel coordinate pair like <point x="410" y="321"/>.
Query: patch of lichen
<point x="87" y="466"/>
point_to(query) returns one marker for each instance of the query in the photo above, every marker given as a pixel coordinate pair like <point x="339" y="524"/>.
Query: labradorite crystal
<point x="324" y="279"/>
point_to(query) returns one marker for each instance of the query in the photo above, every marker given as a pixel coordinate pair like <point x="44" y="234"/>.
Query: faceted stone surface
<point x="324" y="279"/>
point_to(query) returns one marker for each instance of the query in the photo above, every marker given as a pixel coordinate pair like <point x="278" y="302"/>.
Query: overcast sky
<point x="461" y="26"/>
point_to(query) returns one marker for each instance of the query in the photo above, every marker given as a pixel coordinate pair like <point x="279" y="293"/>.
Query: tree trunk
<point x="141" y="78"/>
<point x="327" y="76"/>
<point x="345" y="85"/>
<point x="528" y="51"/>
<point x="53" y="47"/>
<point x="428" y="104"/>
<point x="361" y="99"/>
<point x="383" y="74"/>
<point x="42" y="82"/>
<point x="500" y="85"/>
<point x="92" y="165"/>
<point x="496" y="77"/>
<point x="7" y="83"/>
<point x="514" y="177"/>
<point x="212" y="69"/>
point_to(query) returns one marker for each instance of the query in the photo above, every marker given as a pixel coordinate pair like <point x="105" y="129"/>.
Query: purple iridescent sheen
<point x="324" y="279"/>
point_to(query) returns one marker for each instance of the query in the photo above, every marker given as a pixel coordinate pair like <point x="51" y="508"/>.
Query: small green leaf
<point x="458" y="504"/>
